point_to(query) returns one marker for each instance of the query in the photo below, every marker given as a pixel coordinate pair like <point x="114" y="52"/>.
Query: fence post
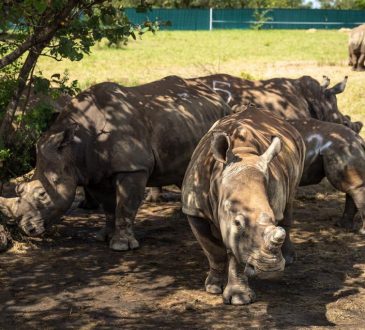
<point x="210" y="19"/>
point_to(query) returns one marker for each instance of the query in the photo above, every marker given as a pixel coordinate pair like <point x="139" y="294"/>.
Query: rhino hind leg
<point x="358" y="60"/>
<point x="106" y="233"/>
<point x="129" y="195"/>
<point x="215" y="252"/>
<point x="359" y="198"/>
<point x="237" y="290"/>
<point x="347" y="219"/>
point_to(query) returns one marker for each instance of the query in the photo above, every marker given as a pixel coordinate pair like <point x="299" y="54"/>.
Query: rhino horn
<point x="8" y="206"/>
<point x="338" y="88"/>
<point x="325" y="82"/>
<point x="275" y="239"/>
<point x="270" y="153"/>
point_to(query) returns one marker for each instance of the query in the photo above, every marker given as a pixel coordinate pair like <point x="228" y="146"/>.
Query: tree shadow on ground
<point x="72" y="281"/>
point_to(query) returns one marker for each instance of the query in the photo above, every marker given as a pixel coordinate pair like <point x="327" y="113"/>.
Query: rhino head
<point x="43" y="200"/>
<point x="246" y="219"/>
<point x="322" y="101"/>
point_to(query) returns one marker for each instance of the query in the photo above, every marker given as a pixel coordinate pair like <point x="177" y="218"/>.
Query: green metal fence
<point x="207" y="19"/>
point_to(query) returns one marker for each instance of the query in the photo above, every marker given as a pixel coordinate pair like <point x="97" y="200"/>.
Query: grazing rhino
<point x="238" y="187"/>
<point x="290" y="98"/>
<point x="335" y="152"/>
<point x="114" y="141"/>
<point x="356" y="46"/>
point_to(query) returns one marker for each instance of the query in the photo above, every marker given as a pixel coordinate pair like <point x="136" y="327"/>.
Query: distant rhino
<point x="114" y="141"/>
<point x="337" y="153"/>
<point x="289" y="98"/>
<point x="239" y="186"/>
<point x="356" y="46"/>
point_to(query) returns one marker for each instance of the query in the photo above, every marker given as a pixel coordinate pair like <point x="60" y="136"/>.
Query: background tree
<point x="342" y="4"/>
<point x="223" y="3"/>
<point x="61" y="29"/>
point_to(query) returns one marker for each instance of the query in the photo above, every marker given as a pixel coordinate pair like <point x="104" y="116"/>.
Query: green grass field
<point x="245" y="53"/>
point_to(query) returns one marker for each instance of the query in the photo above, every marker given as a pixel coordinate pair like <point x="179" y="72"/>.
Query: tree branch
<point x="40" y="35"/>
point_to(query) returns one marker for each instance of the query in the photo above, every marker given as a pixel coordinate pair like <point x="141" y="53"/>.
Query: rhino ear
<point x="271" y="152"/>
<point x="63" y="138"/>
<point x="220" y="146"/>
<point x="338" y="88"/>
<point x="56" y="141"/>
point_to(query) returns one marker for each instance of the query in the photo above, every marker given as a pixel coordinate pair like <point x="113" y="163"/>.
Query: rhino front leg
<point x="287" y="249"/>
<point x="237" y="290"/>
<point x="360" y="62"/>
<point x="129" y="195"/>
<point x="347" y="220"/>
<point x="105" y="234"/>
<point x="215" y="252"/>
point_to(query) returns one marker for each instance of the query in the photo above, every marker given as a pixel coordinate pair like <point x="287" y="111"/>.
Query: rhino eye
<point x="40" y="195"/>
<point x="19" y="189"/>
<point x="240" y="221"/>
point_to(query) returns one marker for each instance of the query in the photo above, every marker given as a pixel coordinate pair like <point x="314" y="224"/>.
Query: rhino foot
<point x="103" y="235"/>
<point x="345" y="224"/>
<point x="214" y="284"/>
<point x="118" y="243"/>
<point x="362" y="231"/>
<point x="359" y="68"/>
<point x="237" y="295"/>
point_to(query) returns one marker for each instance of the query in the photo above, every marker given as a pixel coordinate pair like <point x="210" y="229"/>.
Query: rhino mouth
<point x="265" y="268"/>
<point x="32" y="227"/>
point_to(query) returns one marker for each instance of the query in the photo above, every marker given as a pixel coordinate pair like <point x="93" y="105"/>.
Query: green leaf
<point x="40" y="5"/>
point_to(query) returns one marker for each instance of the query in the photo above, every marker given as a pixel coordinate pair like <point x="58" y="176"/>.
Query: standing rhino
<point x="238" y="187"/>
<point x="290" y="98"/>
<point x="114" y="141"/>
<point x="335" y="152"/>
<point x="357" y="48"/>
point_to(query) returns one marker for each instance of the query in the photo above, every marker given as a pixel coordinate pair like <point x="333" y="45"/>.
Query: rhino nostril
<point x="32" y="231"/>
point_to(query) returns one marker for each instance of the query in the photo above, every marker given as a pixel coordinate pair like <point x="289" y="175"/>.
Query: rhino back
<point x="325" y="142"/>
<point x="282" y="96"/>
<point x="152" y="127"/>
<point x="201" y="182"/>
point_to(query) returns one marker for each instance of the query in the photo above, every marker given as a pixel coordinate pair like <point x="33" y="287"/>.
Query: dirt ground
<point x="68" y="280"/>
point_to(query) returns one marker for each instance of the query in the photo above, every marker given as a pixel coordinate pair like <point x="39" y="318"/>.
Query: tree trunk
<point x="27" y="67"/>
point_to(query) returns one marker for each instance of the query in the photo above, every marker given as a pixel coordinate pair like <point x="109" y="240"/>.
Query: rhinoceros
<point x="290" y="98"/>
<point x="238" y="187"/>
<point x="356" y="46"/>
<point x="337" y="153"/>
<point x="114" y="141"/>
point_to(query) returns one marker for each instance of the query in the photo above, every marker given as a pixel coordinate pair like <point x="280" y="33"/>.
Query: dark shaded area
<point x="70" y="280"/>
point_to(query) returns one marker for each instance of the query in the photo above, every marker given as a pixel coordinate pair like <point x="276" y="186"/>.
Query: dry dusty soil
<point x="68" y="280"/>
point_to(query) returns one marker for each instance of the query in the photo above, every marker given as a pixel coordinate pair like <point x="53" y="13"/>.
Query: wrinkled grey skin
<point x="238" y="187"/>
<point x="289" y="98"/>
<point x="356" y="47"/>
<point x="337" y="153"/>
<point x="114" y="141"/>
